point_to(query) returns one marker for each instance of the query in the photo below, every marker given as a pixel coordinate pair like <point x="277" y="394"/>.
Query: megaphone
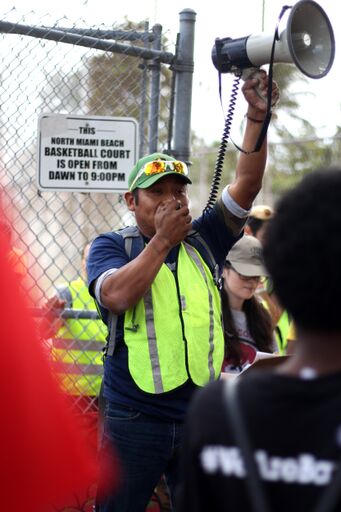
<point x="308" y="42"/>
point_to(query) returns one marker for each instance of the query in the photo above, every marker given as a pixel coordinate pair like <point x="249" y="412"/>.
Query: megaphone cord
<point x="228" y="121"/>
<point x="222" y="148"/>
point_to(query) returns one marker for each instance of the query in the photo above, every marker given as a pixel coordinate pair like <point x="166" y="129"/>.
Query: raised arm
<point x="251" y="167"/>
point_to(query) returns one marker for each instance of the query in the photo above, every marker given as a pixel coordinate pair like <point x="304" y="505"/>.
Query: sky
<point x="214" y="18"/>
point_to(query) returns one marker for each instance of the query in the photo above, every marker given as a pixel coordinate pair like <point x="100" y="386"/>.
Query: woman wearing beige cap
<point x="247" y="324"/>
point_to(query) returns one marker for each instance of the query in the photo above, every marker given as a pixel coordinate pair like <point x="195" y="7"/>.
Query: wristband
<point x="253" y="119"/>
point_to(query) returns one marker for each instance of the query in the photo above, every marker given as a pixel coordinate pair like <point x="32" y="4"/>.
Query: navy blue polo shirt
<point x="108" y="252"/>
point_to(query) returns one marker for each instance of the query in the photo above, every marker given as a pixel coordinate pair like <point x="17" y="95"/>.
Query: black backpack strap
<point x="234" y="416"/>
<point x="133" y="241"/>
<point x="195" y="239"/>
<point x="331" y="496"/>
<point x="231" y="405"/>
<point x="133" y="246"/>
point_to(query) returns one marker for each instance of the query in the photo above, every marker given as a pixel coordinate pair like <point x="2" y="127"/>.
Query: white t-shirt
<point x="247" y="345"/>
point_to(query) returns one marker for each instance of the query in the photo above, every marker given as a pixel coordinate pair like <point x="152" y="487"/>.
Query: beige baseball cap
<point x="246" y="257"/>
<point x="261" y="212"/>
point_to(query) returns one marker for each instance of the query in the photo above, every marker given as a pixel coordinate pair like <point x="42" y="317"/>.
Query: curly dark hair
<point x="302" y="250"/>
<point x="258" y="321"/>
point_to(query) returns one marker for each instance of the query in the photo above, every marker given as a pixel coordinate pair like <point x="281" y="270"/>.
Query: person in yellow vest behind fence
<point x="78" y="342"/>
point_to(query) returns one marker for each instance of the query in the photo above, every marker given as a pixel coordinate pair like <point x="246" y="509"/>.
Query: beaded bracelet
<point x="254" y="120"/>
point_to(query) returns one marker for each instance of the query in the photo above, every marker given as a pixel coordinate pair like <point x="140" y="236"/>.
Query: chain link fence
<point x="78" y="70"/>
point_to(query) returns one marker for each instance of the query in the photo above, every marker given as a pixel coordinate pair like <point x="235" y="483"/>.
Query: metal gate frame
<point x="181" y="63"/>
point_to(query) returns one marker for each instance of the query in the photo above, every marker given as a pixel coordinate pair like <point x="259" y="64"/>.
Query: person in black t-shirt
<point x="292" y="413"/>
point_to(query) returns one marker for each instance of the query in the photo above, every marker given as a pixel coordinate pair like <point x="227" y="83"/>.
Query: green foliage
<point x="294" y="148"/>
<point x="116" y="84"/>
<point x="205" y="158"/>
<point x="113" y="84"/>
<point x="296" y="160"/>
<point x="298" y="150"/>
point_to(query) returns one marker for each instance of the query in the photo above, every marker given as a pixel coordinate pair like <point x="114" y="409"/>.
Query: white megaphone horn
<point x="308" y="42"/>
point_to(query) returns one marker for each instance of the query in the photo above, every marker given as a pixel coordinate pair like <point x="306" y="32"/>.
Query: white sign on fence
<point x="86" y="153"/>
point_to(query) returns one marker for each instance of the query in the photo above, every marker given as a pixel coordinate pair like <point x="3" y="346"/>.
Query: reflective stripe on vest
<point x="194" y="255"/>
<point x="179" y="346"/>
<point x="152" y="344"/>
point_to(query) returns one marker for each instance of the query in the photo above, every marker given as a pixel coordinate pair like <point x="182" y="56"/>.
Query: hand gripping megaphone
<point x="307" y="41"/>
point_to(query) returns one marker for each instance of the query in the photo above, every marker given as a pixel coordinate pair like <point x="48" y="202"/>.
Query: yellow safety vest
<point x="77" y="347"/>
<point x="281" y="331"/>
<point x="175" y="332"/>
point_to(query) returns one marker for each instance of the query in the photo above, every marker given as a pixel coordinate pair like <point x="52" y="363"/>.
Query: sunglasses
<point x="159" y="167"/>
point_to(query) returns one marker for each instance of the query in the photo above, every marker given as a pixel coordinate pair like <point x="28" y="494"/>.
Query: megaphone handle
<point x="252" y="73"/>
<point x="249" y="73"/>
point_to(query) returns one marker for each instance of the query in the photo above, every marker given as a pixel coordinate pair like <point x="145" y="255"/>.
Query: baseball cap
<point x="246" y="257"/>
<point x="140" y="179"/>
<point x="261" y="212"/>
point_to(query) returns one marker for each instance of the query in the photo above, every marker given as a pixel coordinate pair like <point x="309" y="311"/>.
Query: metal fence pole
<point x="143" y="108"/>
<point x="155" y="93"/>
<point x="183" y="93"/>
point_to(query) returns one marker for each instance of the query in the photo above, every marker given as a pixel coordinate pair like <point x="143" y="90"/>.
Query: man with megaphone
<point x="157" y="292"/>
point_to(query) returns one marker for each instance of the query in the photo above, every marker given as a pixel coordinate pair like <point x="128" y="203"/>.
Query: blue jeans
<point x="147" y="449"/>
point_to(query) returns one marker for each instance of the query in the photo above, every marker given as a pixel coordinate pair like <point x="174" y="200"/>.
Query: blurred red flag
<point x="45" y="456"/>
